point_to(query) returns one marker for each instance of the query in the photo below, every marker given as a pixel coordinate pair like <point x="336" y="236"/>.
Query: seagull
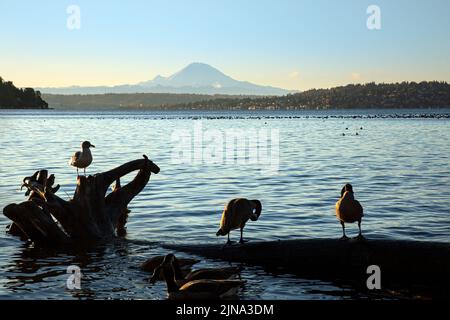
<point x="82" y="159"/>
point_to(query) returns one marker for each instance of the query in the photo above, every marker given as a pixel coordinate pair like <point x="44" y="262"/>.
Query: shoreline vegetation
<point x="129" y="101"/>
<point x="15" y="98"/>
<point x="405" y="95"/>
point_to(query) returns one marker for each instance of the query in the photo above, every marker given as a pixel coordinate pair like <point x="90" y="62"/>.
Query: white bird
<point x="82" y="159"/>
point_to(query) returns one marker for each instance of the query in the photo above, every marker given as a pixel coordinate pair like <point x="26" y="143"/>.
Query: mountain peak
<point x="199" y="64"/>
<point x="197" y="77"/>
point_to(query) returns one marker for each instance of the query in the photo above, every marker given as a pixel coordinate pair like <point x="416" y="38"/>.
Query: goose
<point x="82" y="159"/>
<point x="182" y="276"/>
<point x="151" y="264"/>
<point x="349" y="210"/>
<point x="196" y="289"/>
<point x="236" y="214"/>
<point x="205" y="273"/>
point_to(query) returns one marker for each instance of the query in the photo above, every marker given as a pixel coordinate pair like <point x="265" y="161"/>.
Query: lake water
<point x="399" y="167"/>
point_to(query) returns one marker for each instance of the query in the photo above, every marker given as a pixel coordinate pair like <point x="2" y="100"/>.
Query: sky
<point x="297" y="45"/>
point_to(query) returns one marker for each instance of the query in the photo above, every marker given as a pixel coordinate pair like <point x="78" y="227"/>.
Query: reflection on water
<point x="399" y="169"/>
<point x="112" y="271"/>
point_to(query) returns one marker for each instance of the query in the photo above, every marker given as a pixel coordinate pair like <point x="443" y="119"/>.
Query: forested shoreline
<point x="355" y="96"/>
<point x="15" y="98"/>
<point x="431" y="94"/>
<point x="128" y="101"/>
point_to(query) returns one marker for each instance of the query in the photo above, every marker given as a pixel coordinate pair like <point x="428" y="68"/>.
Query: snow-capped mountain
<point x="198" y="78"/>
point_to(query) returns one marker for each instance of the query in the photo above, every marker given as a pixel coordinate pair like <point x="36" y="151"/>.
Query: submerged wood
<point x="90" y="216"/>
<point x="413" y="266"/>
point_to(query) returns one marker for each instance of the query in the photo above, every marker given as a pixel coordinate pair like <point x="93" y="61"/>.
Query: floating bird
<point x="82" y="159"/>
<point x="196" y="289"/>
<point x="205" y="273"/>
<point x="349" y="210"/>
<point x="182" y="277"/>
<point x="227" y="273"/>
<point x="151" y="264"/>
<point x="236" y="214"/>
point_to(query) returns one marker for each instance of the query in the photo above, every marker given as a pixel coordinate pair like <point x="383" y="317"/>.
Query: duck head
<point x="258" y="209"/>
<point x="348" y="187"/>
<point x="87" y="145"/>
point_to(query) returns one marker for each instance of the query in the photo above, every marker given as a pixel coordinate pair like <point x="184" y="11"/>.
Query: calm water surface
<point x="399" y="169"/>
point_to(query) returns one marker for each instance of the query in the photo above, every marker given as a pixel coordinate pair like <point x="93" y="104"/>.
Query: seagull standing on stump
<point x="82" y="159"/>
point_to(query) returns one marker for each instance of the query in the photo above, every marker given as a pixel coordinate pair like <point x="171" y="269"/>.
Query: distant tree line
<point x="432" y="94"/>
<point x="371" y="95"/>
<point x="15" y="98"/>
<point x="126" y="101"/>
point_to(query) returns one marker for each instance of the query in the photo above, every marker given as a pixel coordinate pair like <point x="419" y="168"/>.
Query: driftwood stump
<point x="90" y="216"/>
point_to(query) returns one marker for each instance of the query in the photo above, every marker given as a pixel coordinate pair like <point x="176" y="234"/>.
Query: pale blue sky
<point x="293" y="44"/>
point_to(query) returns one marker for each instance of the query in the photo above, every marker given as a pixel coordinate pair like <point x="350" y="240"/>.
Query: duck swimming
<point x="184" y="264"/>
<point x="183" y="276"/>
<point x="196" y="289"/>
<point x="236" y="214"/>
<point x="205" y="273"/>
<point x="82" y="159"/>
<point x="349" y="210"/>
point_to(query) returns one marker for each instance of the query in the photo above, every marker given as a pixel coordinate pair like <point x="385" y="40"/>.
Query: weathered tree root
<point x="90" y="216"/>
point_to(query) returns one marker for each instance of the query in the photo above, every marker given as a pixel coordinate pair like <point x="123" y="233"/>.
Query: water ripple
<point x="398" y="166"/>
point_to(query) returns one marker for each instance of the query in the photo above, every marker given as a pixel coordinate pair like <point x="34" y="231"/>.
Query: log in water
<point x="412" y="266"/>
